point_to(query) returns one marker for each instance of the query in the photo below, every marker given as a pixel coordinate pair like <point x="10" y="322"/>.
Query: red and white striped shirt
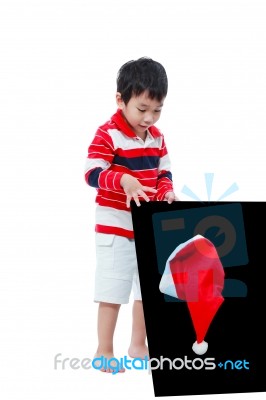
<point x="114" y="151"/>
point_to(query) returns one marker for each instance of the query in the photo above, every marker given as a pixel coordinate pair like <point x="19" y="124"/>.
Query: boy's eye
<point x="157" y="111"/>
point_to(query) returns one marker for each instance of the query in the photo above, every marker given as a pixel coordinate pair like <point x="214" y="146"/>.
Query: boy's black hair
<point x="138" y="76"/>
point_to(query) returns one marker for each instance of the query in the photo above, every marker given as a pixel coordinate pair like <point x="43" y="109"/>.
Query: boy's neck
<point x="142" y="136"/>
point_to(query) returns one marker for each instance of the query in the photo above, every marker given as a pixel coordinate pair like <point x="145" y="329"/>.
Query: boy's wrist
<point x="123" y="179"/>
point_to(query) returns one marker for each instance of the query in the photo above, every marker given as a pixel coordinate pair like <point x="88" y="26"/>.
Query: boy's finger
<point x="143" y="195"/>
<point x="149" y="189"/>
<point x="171" y="199"/>
<point x="128" y="201"/>
<point x="136" y="199"/>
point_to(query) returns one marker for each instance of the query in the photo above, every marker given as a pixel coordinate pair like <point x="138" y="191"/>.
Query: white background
<point x="59" y="60"/>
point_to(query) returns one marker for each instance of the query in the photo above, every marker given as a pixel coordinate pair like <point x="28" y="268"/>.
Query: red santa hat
<point x="194" y="273"/>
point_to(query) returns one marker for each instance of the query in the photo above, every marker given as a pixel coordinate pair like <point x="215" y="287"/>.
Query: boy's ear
<point x="119" y="100"/>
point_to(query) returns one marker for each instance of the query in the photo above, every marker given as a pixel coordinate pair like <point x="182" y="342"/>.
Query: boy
<point x="127" y="160"/>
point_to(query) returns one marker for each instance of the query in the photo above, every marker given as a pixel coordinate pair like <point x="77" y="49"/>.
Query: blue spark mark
<point x="208" y="183"/>
<point x="189" y="193"/>
<point x="233" y="188"/>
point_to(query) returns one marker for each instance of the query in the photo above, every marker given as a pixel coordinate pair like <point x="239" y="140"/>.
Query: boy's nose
<point x="148" y="118"/>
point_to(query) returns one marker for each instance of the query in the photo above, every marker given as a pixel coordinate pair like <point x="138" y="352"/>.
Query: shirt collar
<point x="125" y="128"/>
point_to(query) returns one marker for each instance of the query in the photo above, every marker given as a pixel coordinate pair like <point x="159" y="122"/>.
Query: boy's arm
<point x="97" y="173"/>
<point x="100" y="156"/>
<point x="164" y="187"/>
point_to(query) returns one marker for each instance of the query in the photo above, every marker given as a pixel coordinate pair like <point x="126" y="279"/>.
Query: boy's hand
<point x="133" y="189"/>
<point x="170" y="197"/>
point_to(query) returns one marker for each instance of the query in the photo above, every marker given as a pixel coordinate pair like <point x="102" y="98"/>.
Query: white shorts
<point x="116" y="269"/>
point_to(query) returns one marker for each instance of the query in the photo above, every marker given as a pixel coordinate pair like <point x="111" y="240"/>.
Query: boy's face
<point x="141" y="112"/>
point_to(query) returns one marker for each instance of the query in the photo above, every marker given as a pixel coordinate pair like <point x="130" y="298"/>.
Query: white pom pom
<point x="200" y="348"/>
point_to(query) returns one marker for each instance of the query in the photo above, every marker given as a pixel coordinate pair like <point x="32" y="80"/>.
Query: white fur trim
<point x="200" y="348"/>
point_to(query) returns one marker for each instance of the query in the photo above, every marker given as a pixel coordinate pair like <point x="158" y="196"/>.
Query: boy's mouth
<point x="144" y="127"/>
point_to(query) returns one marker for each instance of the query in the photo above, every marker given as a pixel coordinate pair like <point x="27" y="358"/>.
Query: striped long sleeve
<point x="164" y="180"/>
<point x="100" y="157"/>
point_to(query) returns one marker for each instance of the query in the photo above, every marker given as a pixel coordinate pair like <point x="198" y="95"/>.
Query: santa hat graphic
<point x="194" y="273"/>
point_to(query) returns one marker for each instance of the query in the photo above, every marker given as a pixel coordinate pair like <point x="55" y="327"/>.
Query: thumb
<point x="149" y="189"/>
